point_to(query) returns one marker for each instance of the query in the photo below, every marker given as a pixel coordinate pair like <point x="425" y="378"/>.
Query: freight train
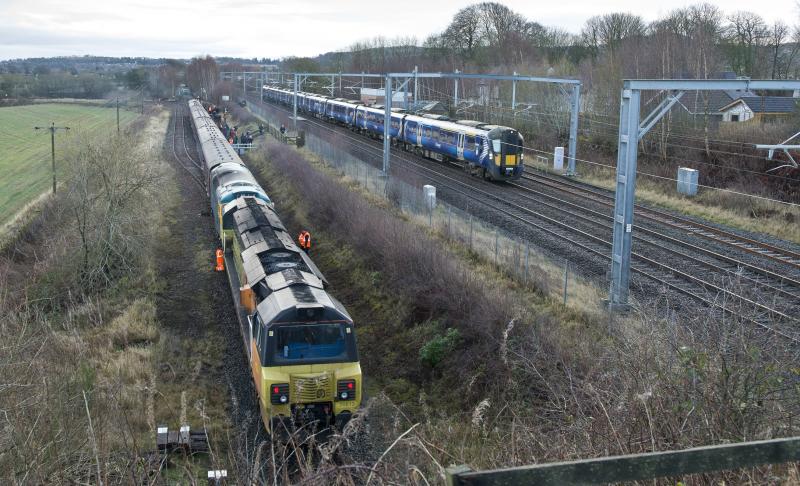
<point x="491" y="151"/>
<point x="299" y="340"/>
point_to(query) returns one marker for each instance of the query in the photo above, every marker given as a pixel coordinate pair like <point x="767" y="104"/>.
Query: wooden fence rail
<point x="635" y="467"/>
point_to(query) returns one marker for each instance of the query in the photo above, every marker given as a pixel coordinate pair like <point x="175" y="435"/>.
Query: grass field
<point x="25" y="153"/>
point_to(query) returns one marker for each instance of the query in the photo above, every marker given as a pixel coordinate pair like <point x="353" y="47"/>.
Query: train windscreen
<point x="313" y="343"/>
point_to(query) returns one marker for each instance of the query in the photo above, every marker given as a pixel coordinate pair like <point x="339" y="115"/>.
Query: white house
<point x="761" y="108"/>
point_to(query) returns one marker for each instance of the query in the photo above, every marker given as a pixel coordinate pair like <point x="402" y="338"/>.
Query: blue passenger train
<point x="491" y="151"/>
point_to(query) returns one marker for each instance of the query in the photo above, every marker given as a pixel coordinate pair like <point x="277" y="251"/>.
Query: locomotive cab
<point x="506" y="151"/>
<point x="305" y="360"/>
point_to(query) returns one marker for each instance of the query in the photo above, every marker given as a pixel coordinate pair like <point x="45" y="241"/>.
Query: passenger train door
<point x="460" y="146"/>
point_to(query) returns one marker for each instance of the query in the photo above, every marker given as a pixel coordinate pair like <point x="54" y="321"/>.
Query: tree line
<point x="697" y="41"/>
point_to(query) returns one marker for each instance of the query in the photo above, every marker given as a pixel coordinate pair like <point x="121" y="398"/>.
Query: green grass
<point x="25" y="153"/>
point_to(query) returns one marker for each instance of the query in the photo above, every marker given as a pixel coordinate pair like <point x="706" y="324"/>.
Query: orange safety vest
<point x="220" y="260"/>
<point x="305" y="240"/>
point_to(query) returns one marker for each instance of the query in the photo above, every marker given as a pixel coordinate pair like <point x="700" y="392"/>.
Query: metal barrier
<point x="636" y="467"/>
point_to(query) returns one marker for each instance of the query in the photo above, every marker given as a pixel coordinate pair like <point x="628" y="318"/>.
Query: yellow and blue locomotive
<point x="299" y="340"/>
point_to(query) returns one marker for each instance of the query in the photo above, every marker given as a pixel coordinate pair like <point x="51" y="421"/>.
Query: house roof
<point x="711" y="101"/>
<point x="766" y="104"/>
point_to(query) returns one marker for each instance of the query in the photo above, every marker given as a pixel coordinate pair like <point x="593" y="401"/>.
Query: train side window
<point x="263" y="345"/>
<point x="257" y="331"/>
<point x="469" y="141"/>
<point x="428" y="132"/>
<point x="258" y="336"/>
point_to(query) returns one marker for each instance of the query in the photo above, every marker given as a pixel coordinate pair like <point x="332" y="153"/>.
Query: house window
<point x="734" y="118"/>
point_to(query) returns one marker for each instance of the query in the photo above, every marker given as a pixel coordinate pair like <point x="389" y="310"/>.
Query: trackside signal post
<point x="631" y="130"/>
<point x="52" y="129"/>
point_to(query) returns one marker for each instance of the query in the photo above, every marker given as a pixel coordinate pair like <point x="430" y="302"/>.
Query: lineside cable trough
<point x="188" y="442"/>
<point x="182" y="440"/>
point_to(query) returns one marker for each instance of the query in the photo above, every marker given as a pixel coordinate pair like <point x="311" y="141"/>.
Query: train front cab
<point x="506" y="154"/>
<point x="304" y="360"/>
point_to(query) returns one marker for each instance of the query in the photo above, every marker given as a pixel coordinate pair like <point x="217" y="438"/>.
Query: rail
<point x="635" y="467"/>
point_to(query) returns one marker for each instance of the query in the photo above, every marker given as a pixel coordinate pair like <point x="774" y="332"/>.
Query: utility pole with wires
<point x="52" y="129"/>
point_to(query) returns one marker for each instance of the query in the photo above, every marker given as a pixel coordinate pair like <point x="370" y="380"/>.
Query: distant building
<point x="710" y="103"/>
<point x="371" y="97"/>
<point x="760" y="108"/>
<point x="434" y="107"/>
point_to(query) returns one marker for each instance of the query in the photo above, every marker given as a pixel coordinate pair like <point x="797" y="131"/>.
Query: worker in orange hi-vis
<point x="220" y="261"/>
<point x="304" y="239"/>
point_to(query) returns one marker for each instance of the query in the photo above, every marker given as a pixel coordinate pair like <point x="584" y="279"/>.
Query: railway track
<point x="180" y="151"/>
<point x="587" y="231"/>
<point x="711" y="233"/>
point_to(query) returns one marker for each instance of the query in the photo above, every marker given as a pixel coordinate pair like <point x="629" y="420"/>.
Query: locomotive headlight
<point x="346" y="389"/>
<point x="279" y="393"/>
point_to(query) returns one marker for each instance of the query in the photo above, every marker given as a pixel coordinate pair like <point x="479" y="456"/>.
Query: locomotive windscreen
<point x="316" y="343"/>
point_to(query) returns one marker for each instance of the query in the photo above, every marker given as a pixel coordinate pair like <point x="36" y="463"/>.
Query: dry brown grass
<point x="135" y="326"/>
<point x="77" y="354"/>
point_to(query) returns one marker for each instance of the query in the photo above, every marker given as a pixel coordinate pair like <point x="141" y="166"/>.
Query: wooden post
<point x="451" y="474"/>
<point x="638" y="467"/>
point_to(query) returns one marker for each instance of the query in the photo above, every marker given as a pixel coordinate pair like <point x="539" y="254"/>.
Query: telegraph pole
<point x="117" y="116"/>
<point x="52" y="129"/>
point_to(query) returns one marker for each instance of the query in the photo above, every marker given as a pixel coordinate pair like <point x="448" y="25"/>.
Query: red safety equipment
<point x="304" y="239"/>
<point x="220" y="261"/>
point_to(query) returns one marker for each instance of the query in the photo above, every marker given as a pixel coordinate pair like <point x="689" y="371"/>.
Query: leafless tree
<point x="745" y="33"/>
<point x="106" y="182"/>
<point x="777" y="36"/>
<point x="610" y="30"/>
<point x="202" y="74"/>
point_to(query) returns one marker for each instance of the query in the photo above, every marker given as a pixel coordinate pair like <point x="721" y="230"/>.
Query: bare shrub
<point x="107" y="182"/>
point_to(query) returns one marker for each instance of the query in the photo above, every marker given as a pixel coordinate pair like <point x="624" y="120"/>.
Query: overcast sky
<point x="267" y="28"/>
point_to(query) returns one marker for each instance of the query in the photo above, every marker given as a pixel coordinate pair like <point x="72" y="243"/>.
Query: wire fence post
<point x="566" y="276"/>
<point x="496" y="235"/>
<point x="527" y="251"/>
<point x="470" y="231"/>
<point x="448" y="220"/>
